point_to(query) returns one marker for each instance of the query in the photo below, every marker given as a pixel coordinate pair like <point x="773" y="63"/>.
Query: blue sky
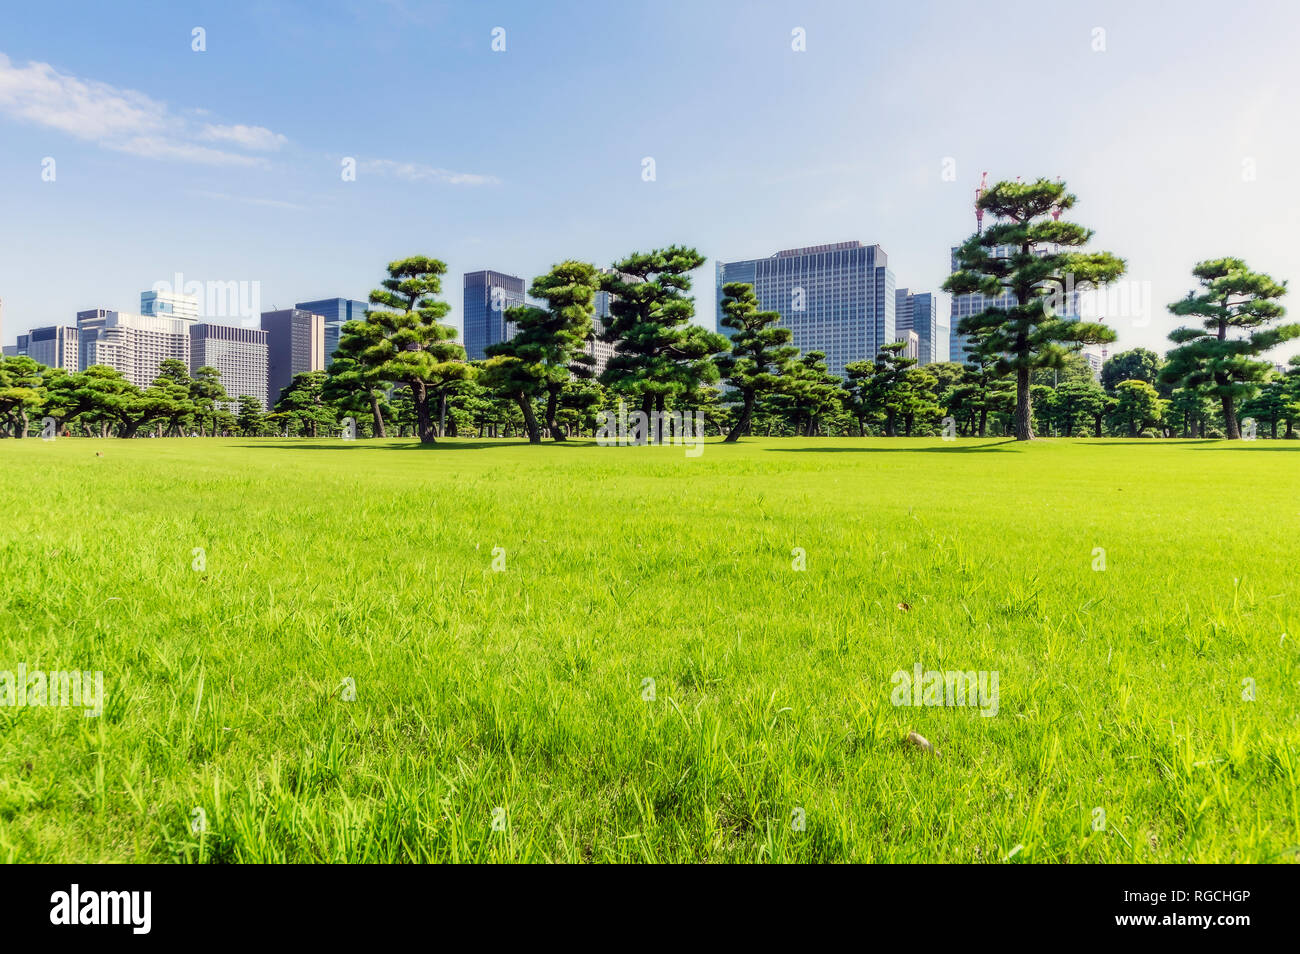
<point x="1177" y="134"/>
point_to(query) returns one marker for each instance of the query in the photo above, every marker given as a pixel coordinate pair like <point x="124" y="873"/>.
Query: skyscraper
<point x="295" y="344"/>
<point x="337" y="312"/>
<point x="134" y="345"/>
<point x="54" y="346"/>
<point x="488" y="295"/>
<point x="238" y="353"/>
<point x="837" y="298"/>
<point x="917" y="311"/>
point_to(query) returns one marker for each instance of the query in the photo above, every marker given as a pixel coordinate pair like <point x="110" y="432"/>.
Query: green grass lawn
<point x="504" y="714"/>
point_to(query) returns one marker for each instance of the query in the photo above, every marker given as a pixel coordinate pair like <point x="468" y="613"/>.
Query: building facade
<point x="488" y="295"/>
<point x="917" y="311"/>
<point x="18" y="349"/>
<point x="169" y="305"/>
<point x="134" y="345"/>
<point x="295" y="344"/>
<point x="55" y="347"/>
<point x="238" y="353"/>
<point x="337" y="312"/>
<point x="837" y="298"/>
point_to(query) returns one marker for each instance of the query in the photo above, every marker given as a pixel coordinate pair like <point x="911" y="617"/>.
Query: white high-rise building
<point x="134" y="345"/>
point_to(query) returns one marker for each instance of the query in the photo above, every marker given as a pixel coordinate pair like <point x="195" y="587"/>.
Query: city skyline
<point x="247" y="173"/>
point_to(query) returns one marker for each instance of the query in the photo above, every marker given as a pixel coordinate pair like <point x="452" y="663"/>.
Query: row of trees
<point x="401" y="368"/>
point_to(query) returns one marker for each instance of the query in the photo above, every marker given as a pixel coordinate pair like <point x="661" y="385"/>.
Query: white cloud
<point x="159" y="147"/>
<point x="123" y="120"/>
<point x="418" y="172"/>
<point x="248" y="137"/>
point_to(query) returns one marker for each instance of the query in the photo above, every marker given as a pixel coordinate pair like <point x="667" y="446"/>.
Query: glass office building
<point x="337" y="312"/>
<point x="169" y="305"/>
<point x="488" y="295"/>
<point x="295" y="344"/>
<point x="838" y="298"/>
<point x="917" y="311"/>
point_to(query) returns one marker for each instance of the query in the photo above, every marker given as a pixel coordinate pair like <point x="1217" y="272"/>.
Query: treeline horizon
<point x="400" y="367"/>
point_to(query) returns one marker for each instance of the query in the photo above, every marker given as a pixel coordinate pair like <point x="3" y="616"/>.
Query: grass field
<point x="504" y="714"/>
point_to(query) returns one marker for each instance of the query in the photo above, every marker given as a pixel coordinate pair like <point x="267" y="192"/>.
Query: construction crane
<point x="979" y="213"/>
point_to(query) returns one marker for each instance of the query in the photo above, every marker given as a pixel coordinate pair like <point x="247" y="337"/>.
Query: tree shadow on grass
<point x="1271" y="445"/>
<point x="444" y="443"/>
<point x="989" y="447"/>
<point x="1195" y="443"/>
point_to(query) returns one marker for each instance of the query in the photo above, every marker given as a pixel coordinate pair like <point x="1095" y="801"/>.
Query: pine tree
<point x="760" y="350"/>
<point x="658" y="351"/>
<point x="407" y="342"/>
<point x="1232" y="299"/>
<point x="549" y="342"/>
<point x="1045" y="261"/>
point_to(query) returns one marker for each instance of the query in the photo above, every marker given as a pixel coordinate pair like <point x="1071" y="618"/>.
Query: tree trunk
<point x="377" y="415"/>
<point x="423" y="421"/>
<point x="743" y="421"/>
<point x="552" y="407"/>
<point x="1024" y="409"/>
<point x="1233" y="432"/>
<point x="530" y="419"/>
<point x="984" y="421"/>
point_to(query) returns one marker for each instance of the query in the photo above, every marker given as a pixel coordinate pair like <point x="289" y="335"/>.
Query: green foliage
<point x="659" y="352"/>
<point x="404" y="339"/>
<point x="1137" y="407"/>
<point x="21" y="387"/>
<point x="811" y="393"/>
<point x="891" y="389"/>
<point x="1046" y="259"/>
<point x="302" y="405"/>
<point x="1136" y="364"/>
<point x="548" y="342"/>
<point x="1238" y="310"/>
<point x="251" y="418"/>
<point x="760" y="352"/>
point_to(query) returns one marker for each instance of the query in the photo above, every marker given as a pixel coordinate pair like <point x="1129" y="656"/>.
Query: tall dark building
<point x="488" y="295"/>
<point x="295" y="344"/>
<point x="838" y="298"/>
<point x="337" y="312"/>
